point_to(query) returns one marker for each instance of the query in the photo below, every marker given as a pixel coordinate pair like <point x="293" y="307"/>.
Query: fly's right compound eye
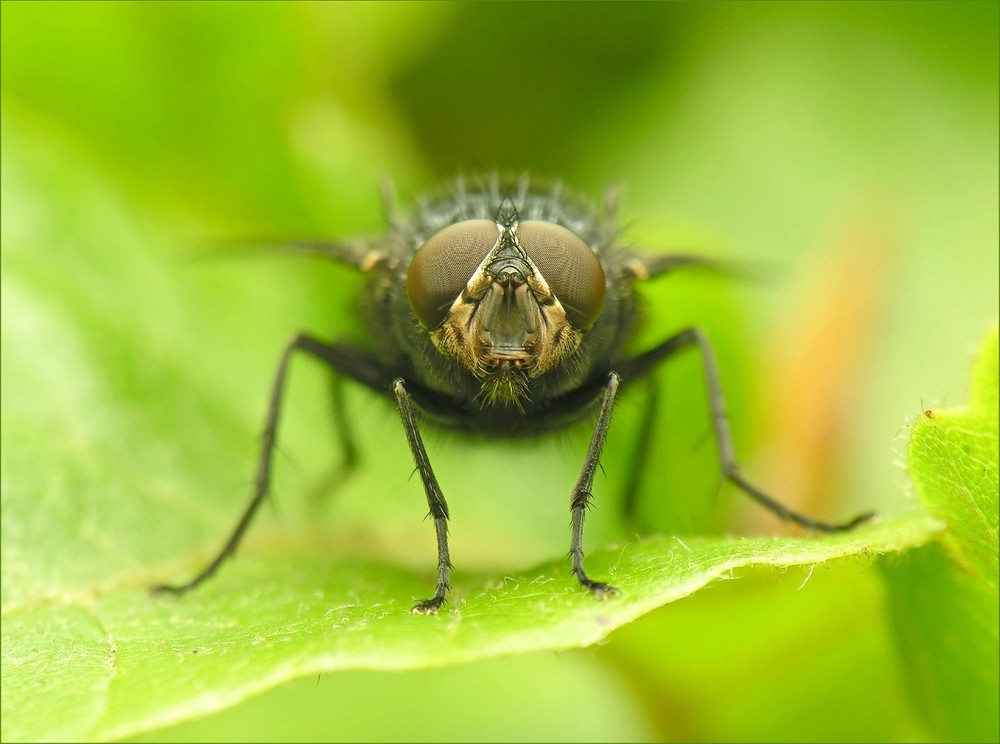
<point x="571" y="268"/>
<point x="443" y="266"/>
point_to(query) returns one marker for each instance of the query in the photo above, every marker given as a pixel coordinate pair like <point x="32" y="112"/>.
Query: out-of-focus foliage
<point x="944" y="597"/>
<point x="850" y="148"/>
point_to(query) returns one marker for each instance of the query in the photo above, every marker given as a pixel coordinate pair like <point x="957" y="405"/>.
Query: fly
<point x="502" y="309"/>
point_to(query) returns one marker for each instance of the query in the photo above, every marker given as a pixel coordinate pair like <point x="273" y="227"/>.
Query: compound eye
<point x="443" y="265"/>
<point x="570" y="267"/>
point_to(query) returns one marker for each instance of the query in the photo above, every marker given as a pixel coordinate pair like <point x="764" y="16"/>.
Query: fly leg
<point x="435" y="500"/>
<point x="339" y="357"/>
<point x="582" y="495"/>
<point x="640" y="455"/>
<point x="344" y="466"/>
<point x="643" y="364"/>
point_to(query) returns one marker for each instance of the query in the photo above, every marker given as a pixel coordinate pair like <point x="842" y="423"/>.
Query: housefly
<point x="501" y="308"/>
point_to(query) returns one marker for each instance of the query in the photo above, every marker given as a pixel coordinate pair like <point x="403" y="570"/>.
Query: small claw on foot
<point x="428" y="606"/>
<point x="158" y="590"/>
<point x="862" y="519"/>
<point x="600" y="590"/>
<point x="844" y="526"/>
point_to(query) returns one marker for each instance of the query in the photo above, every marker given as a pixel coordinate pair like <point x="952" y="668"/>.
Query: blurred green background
<point x="849" y="148"/>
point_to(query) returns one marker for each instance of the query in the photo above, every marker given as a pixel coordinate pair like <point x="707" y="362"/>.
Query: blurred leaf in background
<point x="850" y="146"/>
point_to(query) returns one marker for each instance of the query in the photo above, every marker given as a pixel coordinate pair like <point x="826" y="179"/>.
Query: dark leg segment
<point x="344" y="466"/>
<point x="301" y="342"/>
<point x="640" y="455"/>
<point x="355" y="364"/>
<point x="581" y="492"/>
<point x="642" y="364"/>
<point x="435" y="500"/>
<point x="343" y="425"/>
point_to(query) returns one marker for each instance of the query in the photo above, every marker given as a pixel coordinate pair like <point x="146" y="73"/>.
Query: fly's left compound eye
<point x="443" y="266"/>
<point x="569" y="266"/>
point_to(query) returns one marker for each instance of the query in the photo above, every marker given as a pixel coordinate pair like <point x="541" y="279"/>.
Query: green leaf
<point x="953" y="461"/>
<point x="944" y="596"/>
<point x="291" y="612"/>
<point x="105" y="345"/>
<point x="134" y="377"/>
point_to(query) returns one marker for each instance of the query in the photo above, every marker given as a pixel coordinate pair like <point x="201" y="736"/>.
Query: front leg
<point x="339" y="358"/>
<point x="435" y="500"/>
<point x="582" y="495"/>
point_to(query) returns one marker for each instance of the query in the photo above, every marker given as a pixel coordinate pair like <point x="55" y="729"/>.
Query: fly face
<point x="507" y="325"/>
<point x="504" y="312"/>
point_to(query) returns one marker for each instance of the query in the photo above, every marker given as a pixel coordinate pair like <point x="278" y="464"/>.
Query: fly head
<point x="507" y="300"/>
